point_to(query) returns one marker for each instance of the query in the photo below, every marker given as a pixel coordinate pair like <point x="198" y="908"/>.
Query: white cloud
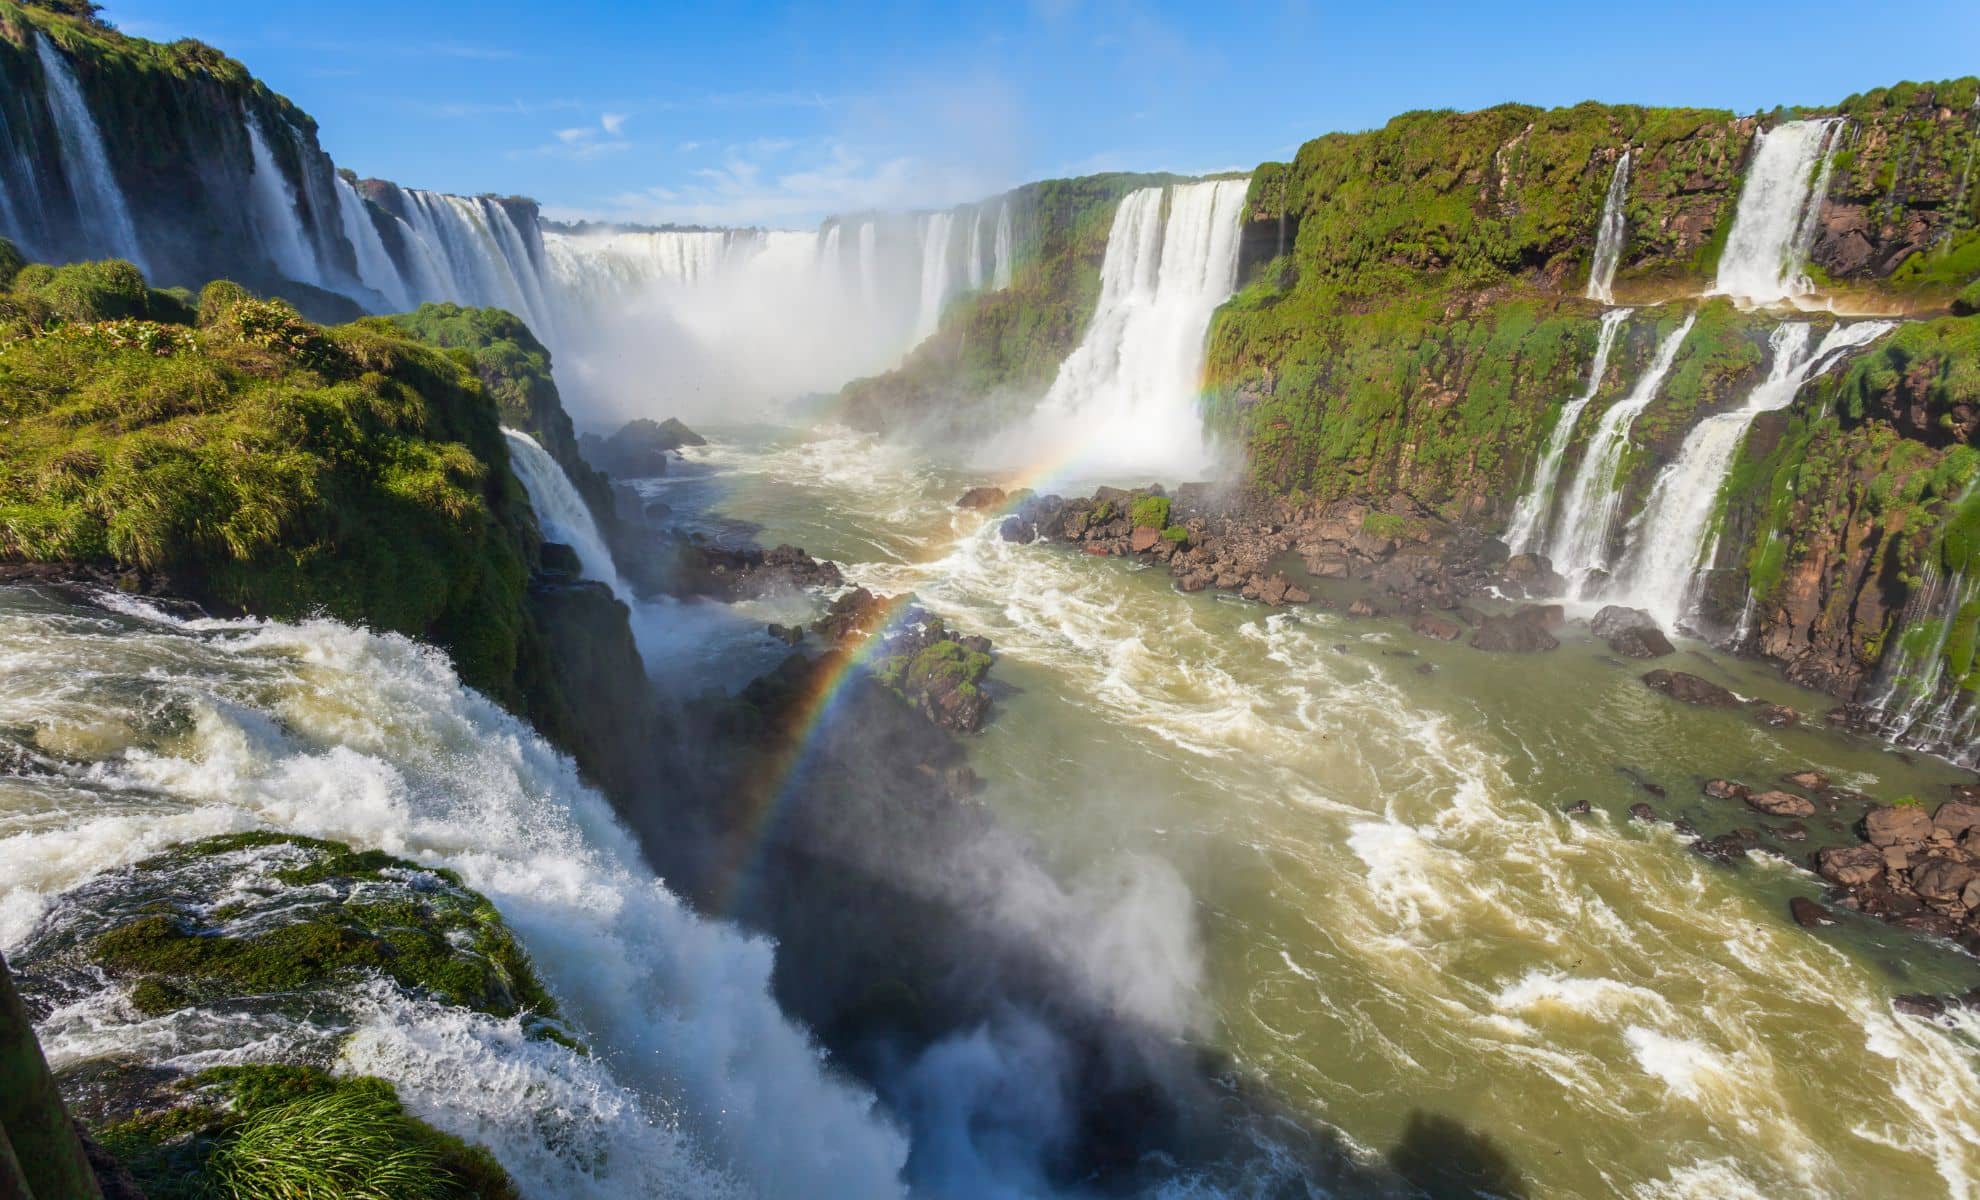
<point x="613" y="123"/>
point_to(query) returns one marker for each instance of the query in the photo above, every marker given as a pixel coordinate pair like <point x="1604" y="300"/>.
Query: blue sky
<point x="776" y="114"/>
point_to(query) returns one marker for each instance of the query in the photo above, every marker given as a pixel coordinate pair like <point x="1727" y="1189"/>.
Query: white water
<point x="1916" y="705"/>
<point x="561" y="513"/>
<point x="20" y="192"/>
<point x="1000" y="276"/>
<point x="934" y="273"/>
<point x="975" y="259"/>
<point x="272" y="204"/>
<point x="99" y="201"/>
<point x="375" y="267"/>
<point x="1528" y="527"/>
<point x="698" y="1085"/>
<point x="1124" y="402"/>
<point x="1609" y="235"/>
<point x="1581" y="541"/>
<point x="1673" y="544"/>
<point x="1778" y="211"/>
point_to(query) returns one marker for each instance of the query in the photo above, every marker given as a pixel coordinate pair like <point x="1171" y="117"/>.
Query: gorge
<point x="1129" y="685"/>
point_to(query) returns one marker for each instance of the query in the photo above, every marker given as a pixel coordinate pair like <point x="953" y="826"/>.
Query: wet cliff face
<point x="1902" y="206"/>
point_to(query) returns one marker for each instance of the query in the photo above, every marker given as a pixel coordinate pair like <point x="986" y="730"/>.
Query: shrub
<point x="217" y="297"/>
<point x="1150" y="512"/>
<point x="88" y="291"/>
<point x="11" y="262"/>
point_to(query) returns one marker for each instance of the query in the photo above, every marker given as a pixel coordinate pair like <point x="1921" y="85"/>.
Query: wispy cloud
<point x="500" y="108"/>
<point x="580" y="143"/>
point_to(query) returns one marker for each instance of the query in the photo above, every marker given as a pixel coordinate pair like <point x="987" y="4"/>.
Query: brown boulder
<point x="1512" y="636"/>
<point x="1780" y="804"/>
<point x="1681" y="685"/>
<point x="1808" y="914"/>
<point x="1850" y="866"/>
<point x="1814" y="781"/>
<point x="1777" y="716"/>
<point x="1641" y="642"/>
<point x="1144" y="539"/>
<point x="1957" y="816"/>
<point x="1725" y="789"/>
<point x="1896" y="825"/>
<point x="1440" y="628"/>
<point x="1942" y="879"/>
<point x="980" y="498"/>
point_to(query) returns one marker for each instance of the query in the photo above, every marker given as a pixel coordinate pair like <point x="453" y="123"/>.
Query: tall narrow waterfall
<point x="976" y="250"/>
<point x="1673" y="546"/>
<point x="1581" y="542"/>
<point x="100" y="206"/>
<point x="1000" y="277"/>
<point x="1779" y="209"/>
<point x="561" y="512"/>
<point x="1609" y="235"/>
<point x="20" y="191"/>
<point x="272" y="203"/>
<point x="934" y="272"/>
<point x="1919" y="702"/>
<point x="481" y="254"/>
<point x="1128" y="393"/>
<point x="375" y="267"/>
<point x="1527" y="531"/>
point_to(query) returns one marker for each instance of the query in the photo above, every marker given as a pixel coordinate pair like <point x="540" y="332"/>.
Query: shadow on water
<point x="1443" y="1159"/>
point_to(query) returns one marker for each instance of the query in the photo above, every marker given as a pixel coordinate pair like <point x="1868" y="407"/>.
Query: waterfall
<point x="272" y="204"/>
<point x="1000" y="278"/>
<point x="100" y="207"/>
<point x="561" y="512"/>
<point x="934" y="273"/>
<point x="1609" y="235"/>
<point x="976" y="251"/>
<point x="1916" y="703"/>
<point x="1779" y="210"/>
<point x="1581" y="542"/>
<point x="480" y="254"/>
<point x="1128" y="393"/>
<point x="1529" y="519"/>
<point x="375" y="267"/>
<point x="1671" y="551"/>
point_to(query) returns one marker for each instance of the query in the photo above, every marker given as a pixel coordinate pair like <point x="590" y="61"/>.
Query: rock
<point x="1361" y="608"/>
<point x="1546" y="616"/>
<point x="1728" y="849"/>
<point x="556" y="558"/>
<point x="1144" y="539"/>
<point x="1896" y="825"/>
<point x="1971" y="896"/>
<point x="1808" y="914"/>
<point x="1642" y="812"/>
<point x="1896" y="860"/>
<point x="1641" y="643"/>
<point x="1296" y="594"/>
<point x="1811" y="780"/>
<point x="1273" y="590"/>
<point x="1780" y="804"/>
<point x="1578" y="808"/>
<point x="1725" y="789"/>
<point x="1615" y="619"/>
<point x="1849" y="866"/>
<point x="1777" y="716"/>
<point x="1943" y="879"/>
<point x="1512" y="636"/>
<point x="980" y="498"/>
<point x="639" y="450"/>
<point x="790" y="635"/>
<point x="1955" y="817"/>
<point x="1440" y="628"/>
<point x="1690" y="689"/>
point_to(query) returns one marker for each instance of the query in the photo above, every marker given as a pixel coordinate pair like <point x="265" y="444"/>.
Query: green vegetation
<point x="1175" y="533"/>
<point x="296" y="1133"/>
<point x="1150" y="512"/>
<point x="260" y="461"/>
<point x="441" y="939"/>
<point x="940" y="663"/>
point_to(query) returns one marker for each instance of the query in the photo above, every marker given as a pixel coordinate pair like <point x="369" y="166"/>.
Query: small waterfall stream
<point x="1528" y="527"/>
<point x="1779" y="209"/>
<point x="1919" y="703"/>
<point x="1000" y="277"/>
<point x="1580" y="547"/>
<point x="934" y="273"/>
<point x="561" y="512"/>
<point x="1609" y="235"/>
<point x="272" y="204"/>
<point x="100" y="206"/>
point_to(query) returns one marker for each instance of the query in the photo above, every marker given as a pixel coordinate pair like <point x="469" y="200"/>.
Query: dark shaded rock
<point x="1642" y="812"/>
<point x="1511" y="635"/>
<point x="980" y="498"/>
<point x="1614" y="619"/>
<point x="1690" y="689"/>
<point x="1641" y="643"/>
<point x="1777" y="716"/>
<point x="1780" y="804"/>
<point x="558" y="559"/>
<point x="639" y="449"/>
<point x="1728" y="849"/>
<point x="1942" y="879"/>
<point x="1578" y="809"/>
<point x="1440" y="628"/>
<point x="790" y="635"/>
<point x="1896" y="825"/>
<point x="1955" y="817"/>
<point x="1810" y="915"/>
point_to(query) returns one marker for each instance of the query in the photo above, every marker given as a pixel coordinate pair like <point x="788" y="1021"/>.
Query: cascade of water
<point x="1128" y="392"/>
<point x="1916" y="703"/>
<point x="375" y="267"/>
<point x="481" y="254"/>
<point x="1670" y="552"/>
<point x="103" y="217"/>
<point x="828" y="250"/>
<point x="561" y="512"/>
<point x="272" y="204"/>
<point x="1000" y="277"/>
<point x="14" y="172"/>
<point x="976" y="250"/>
<point x="1609" y="235"/>
<point x="1779" y="209"/>
<point x="1580" y="545"/>
<point x="1529" y="519"/>
<point x="934" y="272"/>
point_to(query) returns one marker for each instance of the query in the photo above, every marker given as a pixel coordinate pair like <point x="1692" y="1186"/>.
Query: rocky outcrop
<point x="1917" y="870"/>
<point x="938" y="671"/>
<point x="639" y="450"/>
<point x="1690" y="689"/>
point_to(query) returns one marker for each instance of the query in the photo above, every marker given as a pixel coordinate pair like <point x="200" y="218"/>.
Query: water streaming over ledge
<point x="92" y="184"/>
<point x="1527" y="530"/>
<point x="1780" y="207"/>
<point x="1580" y="547"/>
<point x="1609" y="235"/>
<point x="1674" y="541"/>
